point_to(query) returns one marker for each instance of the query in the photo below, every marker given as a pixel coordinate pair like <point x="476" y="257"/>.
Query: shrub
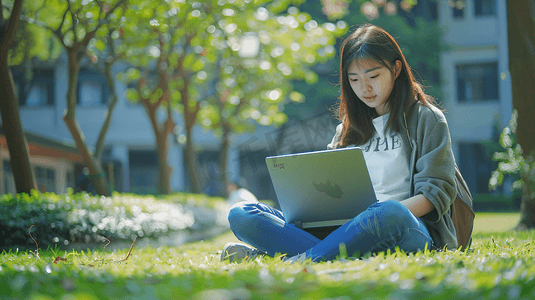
<point x="63" y="219"/>
<point x="48" y="214"/>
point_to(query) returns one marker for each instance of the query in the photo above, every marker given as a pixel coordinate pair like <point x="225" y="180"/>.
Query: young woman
<point x="413" y="176"/>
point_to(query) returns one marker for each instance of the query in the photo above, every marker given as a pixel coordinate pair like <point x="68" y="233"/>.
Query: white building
<point x="476" y="81"/>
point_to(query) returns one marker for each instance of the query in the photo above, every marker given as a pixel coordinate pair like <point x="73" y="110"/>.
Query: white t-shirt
<point x="241" y="195"/>
<point x="387" y="162"/>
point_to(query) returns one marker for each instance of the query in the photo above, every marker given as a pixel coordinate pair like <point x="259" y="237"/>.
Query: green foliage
<point x="512" y="159"/>
<point x="498" y="267"/>
<point x="63" y="219"/>
<point x="420" y="44"/>
<point x="17" y="214"/>
<point x="211" y="44"/>
<point x="257" y="67"/>
<point x="31" y="40"/>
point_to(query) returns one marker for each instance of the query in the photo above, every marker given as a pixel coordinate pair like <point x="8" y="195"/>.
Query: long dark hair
<point x="372" y="43"/>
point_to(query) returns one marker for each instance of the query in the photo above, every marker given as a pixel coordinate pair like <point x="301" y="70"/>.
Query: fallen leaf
<point x="58" y="259"/>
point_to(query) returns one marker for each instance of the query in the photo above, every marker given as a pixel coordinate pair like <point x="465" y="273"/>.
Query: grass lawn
<point x="499" y="266"/>
<point x="495" y="222"/>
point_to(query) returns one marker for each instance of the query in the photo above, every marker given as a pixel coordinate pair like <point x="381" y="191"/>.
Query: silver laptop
<point x="321" y="188"/>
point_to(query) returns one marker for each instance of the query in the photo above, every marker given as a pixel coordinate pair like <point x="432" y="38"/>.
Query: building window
<point x="457" y="8"/>
<point x="477" y="82"/>
<point x="37" y="91"/>
<point x="69" y="180"/>
<point x="92" y="88"/>
<point x="485" y="8"/>
<point x="45" y="179"/>
<point x="476" y="165"/>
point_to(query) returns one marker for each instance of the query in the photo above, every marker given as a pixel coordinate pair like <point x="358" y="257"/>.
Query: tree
<point x="168" y="42"/>
<point x="16" y="140"/>
<point x="175" y="48"/>
<point x="75" y="27"/>
<point x="256" y="68"/>
<point x="104" y="53"/>
<point x="521" y="39"/>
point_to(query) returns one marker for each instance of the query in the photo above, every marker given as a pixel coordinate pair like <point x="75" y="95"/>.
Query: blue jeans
<point x="384" y="225"/>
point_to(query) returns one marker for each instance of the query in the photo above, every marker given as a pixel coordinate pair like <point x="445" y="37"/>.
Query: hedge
<point x="63" y="219"/>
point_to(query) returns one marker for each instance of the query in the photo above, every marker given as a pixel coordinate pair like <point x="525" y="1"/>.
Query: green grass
<point x="495" y="222"/>
<point x="499" y="266"/>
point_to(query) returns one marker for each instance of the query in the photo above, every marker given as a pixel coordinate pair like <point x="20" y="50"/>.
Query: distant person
<point x="237" y="194"/>
<point x="413" y="174"/>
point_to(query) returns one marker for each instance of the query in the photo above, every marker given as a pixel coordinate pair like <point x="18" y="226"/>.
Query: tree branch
<point x="169" y="124"/>
<point x="119" y="3"/>
<point x="2" y="12"/>
<point x="97" y="65"/>
<point x="145" y="101"/>
<point x="43" y="25"/>
<point x="162" y="76"/>
<point x="108" y="64"/>
<point x="89" y="35"/>
<point x="148" y="107"/>
<point x="99" y="148"/>
<point x="12" y="25"/>
<point x="58" y="31"/>
<point x="73" y="20"/>
<point x="99" y="5"/>
<point x="110" y="44"/>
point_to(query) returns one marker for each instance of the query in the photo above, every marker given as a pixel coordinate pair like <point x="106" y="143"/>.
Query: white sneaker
<point x="237" y="252"/>
<point x="296" y="258"/>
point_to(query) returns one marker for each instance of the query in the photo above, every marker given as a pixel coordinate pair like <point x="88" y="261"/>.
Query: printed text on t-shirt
<point x="383" y="144"/>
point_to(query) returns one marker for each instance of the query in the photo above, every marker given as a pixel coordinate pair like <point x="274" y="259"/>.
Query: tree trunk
<point x="16" y="140"/>
<point x="95" y="169"/>
<point x="160" y="135"/>
<point x="99" y="148"/>
<point x="189" y="119"/>
<point x="223" y="157"/>
<point x="527" y="206"/>
<point x="190" y="161"/>
<point x="163" y="167"/>
<point x="521" y="40"/>
<point x="9" y="109"/>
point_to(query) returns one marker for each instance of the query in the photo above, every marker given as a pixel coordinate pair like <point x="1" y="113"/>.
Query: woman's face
<point x="372" y="82"/>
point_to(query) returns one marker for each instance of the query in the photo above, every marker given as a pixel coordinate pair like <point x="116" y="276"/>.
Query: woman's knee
<point x="395" y="213"/>
<point x="243" y="213"/>
<point x="236" y="212"/>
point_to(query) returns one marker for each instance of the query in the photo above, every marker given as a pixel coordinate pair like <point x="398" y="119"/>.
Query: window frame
<point x="456" y="78"/>
<point x="40" y="75"/>
<point x="86" y="74"/>
<point x="45" y="176"/>
<point x="480" y="15"/>
<point x="461" y="10"/>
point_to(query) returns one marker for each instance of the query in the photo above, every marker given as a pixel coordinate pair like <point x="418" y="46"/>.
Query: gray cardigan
<point x="432" y="168"/>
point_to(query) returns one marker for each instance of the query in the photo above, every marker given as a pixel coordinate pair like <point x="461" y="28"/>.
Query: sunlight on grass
<point x="495" y="222"/>
<point x="498" y="266"/>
